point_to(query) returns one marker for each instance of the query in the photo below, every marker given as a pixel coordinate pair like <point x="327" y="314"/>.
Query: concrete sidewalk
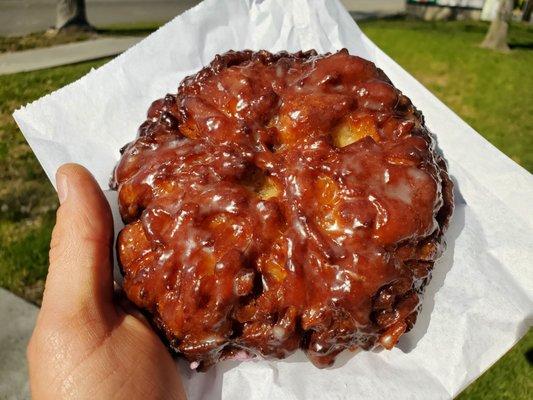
<point x="17" y="319"/>
<point x="362" y="9"/>
<point x="47" y="57"/>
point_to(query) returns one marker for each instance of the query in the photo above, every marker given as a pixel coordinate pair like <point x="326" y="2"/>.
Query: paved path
<point x="30" y="60"/>
<point x="362" y="9"/>
<point x="17" y="318"/>
<point x="19" y="17"/>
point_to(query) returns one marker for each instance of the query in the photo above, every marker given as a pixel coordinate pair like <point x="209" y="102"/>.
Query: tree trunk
<point x="526" y="16"/>
<point x="71" y="16"/>
<point x="496" y="38"/>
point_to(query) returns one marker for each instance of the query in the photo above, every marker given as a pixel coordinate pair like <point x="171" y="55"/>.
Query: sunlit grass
<point x="27" y="199"/>
<point x="491" y="91"/>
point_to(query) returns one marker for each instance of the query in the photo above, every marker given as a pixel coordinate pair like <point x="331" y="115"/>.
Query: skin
<point x="88" y="341"/>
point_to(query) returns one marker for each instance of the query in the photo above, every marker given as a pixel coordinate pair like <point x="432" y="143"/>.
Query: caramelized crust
<point x="281" y="201"/>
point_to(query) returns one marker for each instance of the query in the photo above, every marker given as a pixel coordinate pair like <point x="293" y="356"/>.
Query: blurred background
<point x="475" y="55"/>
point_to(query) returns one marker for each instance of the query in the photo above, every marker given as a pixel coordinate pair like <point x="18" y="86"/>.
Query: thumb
<point x="80" y="276"/>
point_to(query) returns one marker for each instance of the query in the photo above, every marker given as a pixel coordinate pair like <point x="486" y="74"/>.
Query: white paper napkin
<point x="480" y="300"/>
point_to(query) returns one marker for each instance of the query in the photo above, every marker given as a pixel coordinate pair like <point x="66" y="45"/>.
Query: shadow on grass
<point x="529" y="356"/>
<point x="139" y="29"/>
<point x="522" y="46"/>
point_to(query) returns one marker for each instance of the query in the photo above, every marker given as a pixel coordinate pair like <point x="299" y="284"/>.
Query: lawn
<point x="27" y="199"/>
<point x="490" y="91"/>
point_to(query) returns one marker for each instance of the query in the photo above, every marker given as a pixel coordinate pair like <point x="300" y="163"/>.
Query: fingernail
<point x="62" y="187"/>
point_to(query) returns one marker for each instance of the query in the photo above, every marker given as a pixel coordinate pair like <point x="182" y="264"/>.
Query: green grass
<point x="491" y="91"/>
<point x="27" y="199"/>
<point x="136" y="29"/>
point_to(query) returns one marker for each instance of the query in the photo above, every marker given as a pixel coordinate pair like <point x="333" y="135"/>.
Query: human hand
<point x="87" y="342"/>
